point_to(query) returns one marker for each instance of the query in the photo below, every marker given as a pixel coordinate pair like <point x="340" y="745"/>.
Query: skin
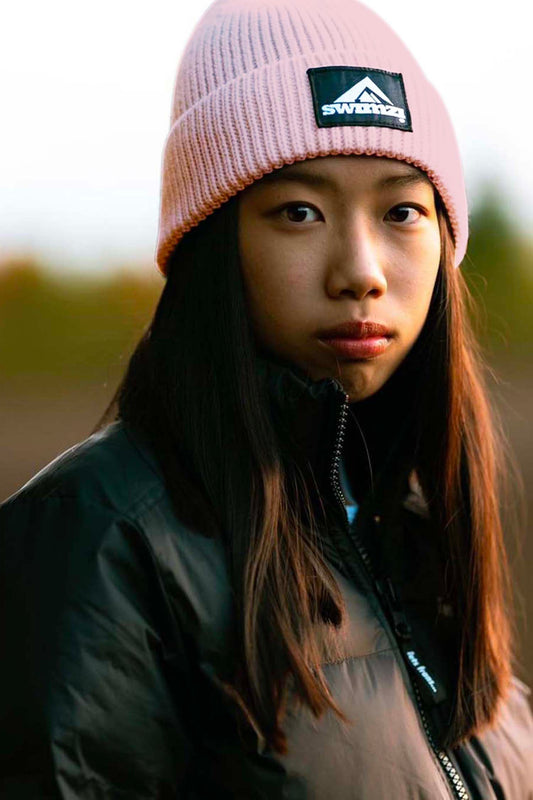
<point x="314" y="256"/>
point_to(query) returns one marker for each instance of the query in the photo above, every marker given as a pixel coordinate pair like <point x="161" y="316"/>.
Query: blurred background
<point x="86" y="94"/>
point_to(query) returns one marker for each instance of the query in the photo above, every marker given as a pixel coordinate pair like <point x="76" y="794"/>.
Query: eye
<point x="403" y="209"/>
<point x="296" y="211"/>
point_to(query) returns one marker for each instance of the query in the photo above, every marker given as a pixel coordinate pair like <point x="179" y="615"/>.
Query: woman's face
<point x="340" y="239"/>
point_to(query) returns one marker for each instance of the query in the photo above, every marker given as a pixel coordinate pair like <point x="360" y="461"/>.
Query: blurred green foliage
<point x="78" y="327"/>
<point x="498" y="269"/>
<point x="73" y="326"/>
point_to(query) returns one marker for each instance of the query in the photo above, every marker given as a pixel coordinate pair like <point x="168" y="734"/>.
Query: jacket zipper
<point x="400" y="623"/>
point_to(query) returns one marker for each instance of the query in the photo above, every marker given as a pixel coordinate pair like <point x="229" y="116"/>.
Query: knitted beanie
<point x="264" y="83"/>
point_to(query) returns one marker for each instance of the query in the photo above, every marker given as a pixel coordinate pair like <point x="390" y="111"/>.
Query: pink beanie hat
<point x="264" y="83"/>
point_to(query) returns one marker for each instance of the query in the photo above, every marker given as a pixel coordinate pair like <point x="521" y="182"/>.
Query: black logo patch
<point x="359" y="96"/>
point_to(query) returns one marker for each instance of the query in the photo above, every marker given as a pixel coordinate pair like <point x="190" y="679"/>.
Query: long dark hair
<point x="191" y="387"/>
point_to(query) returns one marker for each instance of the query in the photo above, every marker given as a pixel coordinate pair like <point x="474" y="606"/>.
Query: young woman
<point x="276" y="568"/>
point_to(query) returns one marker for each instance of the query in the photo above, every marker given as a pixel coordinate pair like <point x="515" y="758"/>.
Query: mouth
<point x="360" y="349"/>
<point x="357" y="339"/>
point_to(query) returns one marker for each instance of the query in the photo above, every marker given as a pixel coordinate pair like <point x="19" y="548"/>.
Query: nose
<point x="356" y="263"/>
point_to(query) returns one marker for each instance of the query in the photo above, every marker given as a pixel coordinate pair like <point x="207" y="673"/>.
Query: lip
<point x="357" y="339"/>
<point x="359" y="348"/>
<point x="356" y="329"/>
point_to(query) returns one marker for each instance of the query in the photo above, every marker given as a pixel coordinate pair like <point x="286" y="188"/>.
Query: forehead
<point x="331" y="172"/>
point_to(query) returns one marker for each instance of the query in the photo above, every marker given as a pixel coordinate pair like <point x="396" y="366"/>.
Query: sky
<point x="85" y="102"/>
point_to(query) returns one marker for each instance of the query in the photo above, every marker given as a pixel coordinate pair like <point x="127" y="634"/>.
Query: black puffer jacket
<point x="115" y="621"/>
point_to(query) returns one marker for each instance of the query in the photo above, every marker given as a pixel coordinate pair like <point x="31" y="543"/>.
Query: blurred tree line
<point x="71" y="327"/>
<point x="498" y="269"/>
<point x="80" y="327"/>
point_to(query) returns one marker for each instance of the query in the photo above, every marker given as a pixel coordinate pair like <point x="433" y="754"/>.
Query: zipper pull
<point x="430" y="688"/>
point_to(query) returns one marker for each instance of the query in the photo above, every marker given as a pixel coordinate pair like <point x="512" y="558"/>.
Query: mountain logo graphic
<point x="365" y="97"/>
<point x="364" y="91"/>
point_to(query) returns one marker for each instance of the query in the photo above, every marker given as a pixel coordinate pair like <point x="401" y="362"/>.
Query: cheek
<point x="276" y="288"/>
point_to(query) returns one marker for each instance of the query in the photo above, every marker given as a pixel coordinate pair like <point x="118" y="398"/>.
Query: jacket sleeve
<point x="93" y="677"/>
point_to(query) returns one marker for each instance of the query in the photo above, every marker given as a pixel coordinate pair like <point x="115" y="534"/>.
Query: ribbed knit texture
<point x="243" y="107"/>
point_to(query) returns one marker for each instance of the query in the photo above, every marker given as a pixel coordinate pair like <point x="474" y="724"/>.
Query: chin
<point x="359" y="385"/>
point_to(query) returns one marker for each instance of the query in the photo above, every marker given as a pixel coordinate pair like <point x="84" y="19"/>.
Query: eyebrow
<point x="315" y="179"/>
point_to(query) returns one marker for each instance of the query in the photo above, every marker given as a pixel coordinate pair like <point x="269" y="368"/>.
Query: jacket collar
<point x="308" y="417"/>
